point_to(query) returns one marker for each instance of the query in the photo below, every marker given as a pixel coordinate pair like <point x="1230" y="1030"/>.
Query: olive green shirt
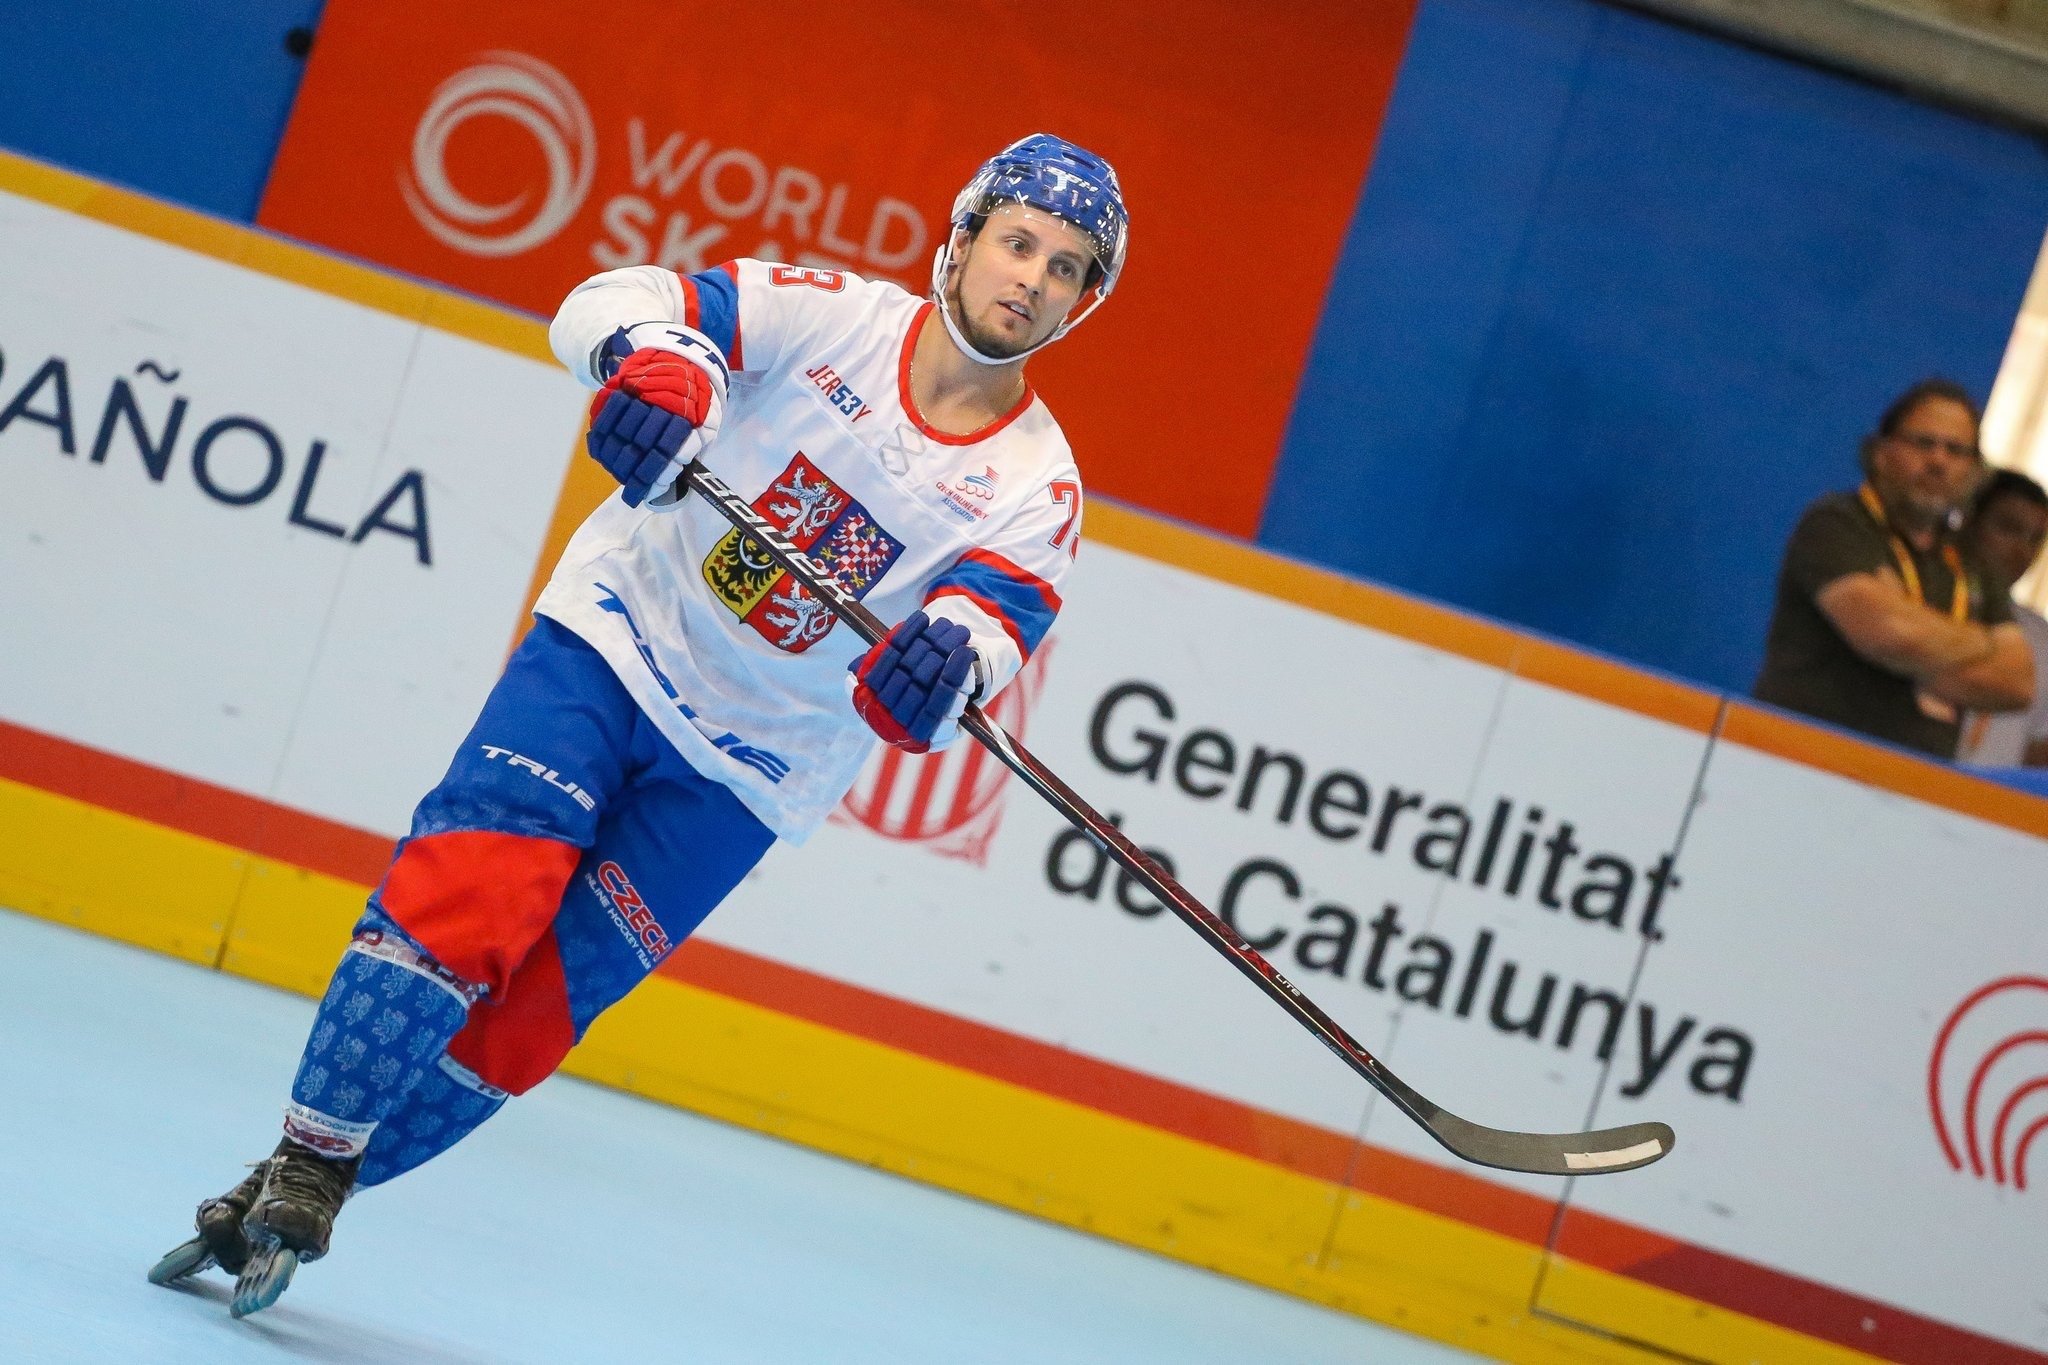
<point x="1810" y="668"/>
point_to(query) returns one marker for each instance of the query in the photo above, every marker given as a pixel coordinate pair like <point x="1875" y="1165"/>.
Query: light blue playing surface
<point x="579" y="1225"/>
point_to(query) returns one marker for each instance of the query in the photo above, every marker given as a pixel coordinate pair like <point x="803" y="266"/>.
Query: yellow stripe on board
<point x="291" y="926"/>
<point x="1582" y="1294"/>
<point x="115" y="875"/>
<point x="943" y="1125"/>
<point x="277" y="257"/>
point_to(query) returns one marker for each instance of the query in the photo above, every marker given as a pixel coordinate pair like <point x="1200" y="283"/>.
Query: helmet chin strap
<point x="967" y="347"/>
<point x="942" y="268"/>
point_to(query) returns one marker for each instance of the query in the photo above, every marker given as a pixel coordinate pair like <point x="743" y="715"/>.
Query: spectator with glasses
<point x="1881" y="623"/>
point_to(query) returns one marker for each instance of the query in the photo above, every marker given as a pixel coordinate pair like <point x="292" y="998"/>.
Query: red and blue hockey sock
<point x="566" y="851"/>
<point x="449" y="1103"/>
<point x="389" y="1013"/>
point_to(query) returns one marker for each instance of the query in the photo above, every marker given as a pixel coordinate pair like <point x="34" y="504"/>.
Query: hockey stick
<point x="1609" y="1149"/>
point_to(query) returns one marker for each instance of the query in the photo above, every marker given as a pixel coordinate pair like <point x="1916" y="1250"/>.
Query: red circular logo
<point x="1987" y="1082"/>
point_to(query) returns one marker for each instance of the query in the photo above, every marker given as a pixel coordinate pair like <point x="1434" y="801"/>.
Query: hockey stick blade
<point x="1597" y="1153"/>
<point x="1601" y="1152"/>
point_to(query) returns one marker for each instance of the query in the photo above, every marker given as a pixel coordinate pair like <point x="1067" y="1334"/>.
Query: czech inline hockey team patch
<point x="839" y="534"/>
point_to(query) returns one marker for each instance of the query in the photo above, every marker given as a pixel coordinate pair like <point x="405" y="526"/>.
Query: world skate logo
<point x="948" y="802"/>
<point x="837" y="533"/>
<point x="1987" y="1082"/>
<point x="538" y="100"/>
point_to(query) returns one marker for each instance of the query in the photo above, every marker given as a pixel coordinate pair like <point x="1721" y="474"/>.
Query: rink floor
<point x="579" y="1225"/>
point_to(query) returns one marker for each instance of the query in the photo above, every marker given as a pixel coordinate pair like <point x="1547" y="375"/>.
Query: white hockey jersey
<point x="743" y="669"/>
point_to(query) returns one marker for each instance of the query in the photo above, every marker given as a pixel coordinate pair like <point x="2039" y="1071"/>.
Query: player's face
<point x="1018" y="278"/>
<point x="1930" y="464"/>
<point x="2009" y="534"/>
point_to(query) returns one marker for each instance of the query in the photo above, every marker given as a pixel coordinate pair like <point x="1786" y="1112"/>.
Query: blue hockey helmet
<point x="1067" y="181"/>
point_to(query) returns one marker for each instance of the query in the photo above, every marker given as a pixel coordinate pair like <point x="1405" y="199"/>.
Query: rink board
<point x="1455" y="840"/>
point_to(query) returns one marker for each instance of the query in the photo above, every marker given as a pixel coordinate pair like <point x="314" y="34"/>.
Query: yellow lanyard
<point x="1902" y="554"/>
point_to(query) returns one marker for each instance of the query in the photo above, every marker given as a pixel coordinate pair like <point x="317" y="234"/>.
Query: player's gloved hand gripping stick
<point x="1609" y="1149"/>
<point x="916" y="684"/>
<point x="662" y="401"/>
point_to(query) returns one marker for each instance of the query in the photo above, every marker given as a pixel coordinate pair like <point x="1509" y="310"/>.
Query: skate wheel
<point x="189" y="1259"/>
<point x="266" y="1277"/>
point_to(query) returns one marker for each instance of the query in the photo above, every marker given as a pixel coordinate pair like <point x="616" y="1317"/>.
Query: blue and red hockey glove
<point x="912" y="687"/>
<point x="662" y="401"/>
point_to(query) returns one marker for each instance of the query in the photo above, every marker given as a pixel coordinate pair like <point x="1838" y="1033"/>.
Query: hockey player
<point x="680" y="704"/>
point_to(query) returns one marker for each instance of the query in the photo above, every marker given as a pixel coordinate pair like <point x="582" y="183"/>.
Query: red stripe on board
<point x="101" y="779"/>
<point x="1823" y="1311"/>
<point x="1727" y="1281"/>
<point x="98" y="778"/>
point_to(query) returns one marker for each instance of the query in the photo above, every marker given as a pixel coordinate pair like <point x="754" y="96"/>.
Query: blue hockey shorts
<point x="568" y="850"/>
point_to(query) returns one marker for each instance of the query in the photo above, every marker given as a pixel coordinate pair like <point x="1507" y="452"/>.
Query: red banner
<point x="514" y="149"/>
